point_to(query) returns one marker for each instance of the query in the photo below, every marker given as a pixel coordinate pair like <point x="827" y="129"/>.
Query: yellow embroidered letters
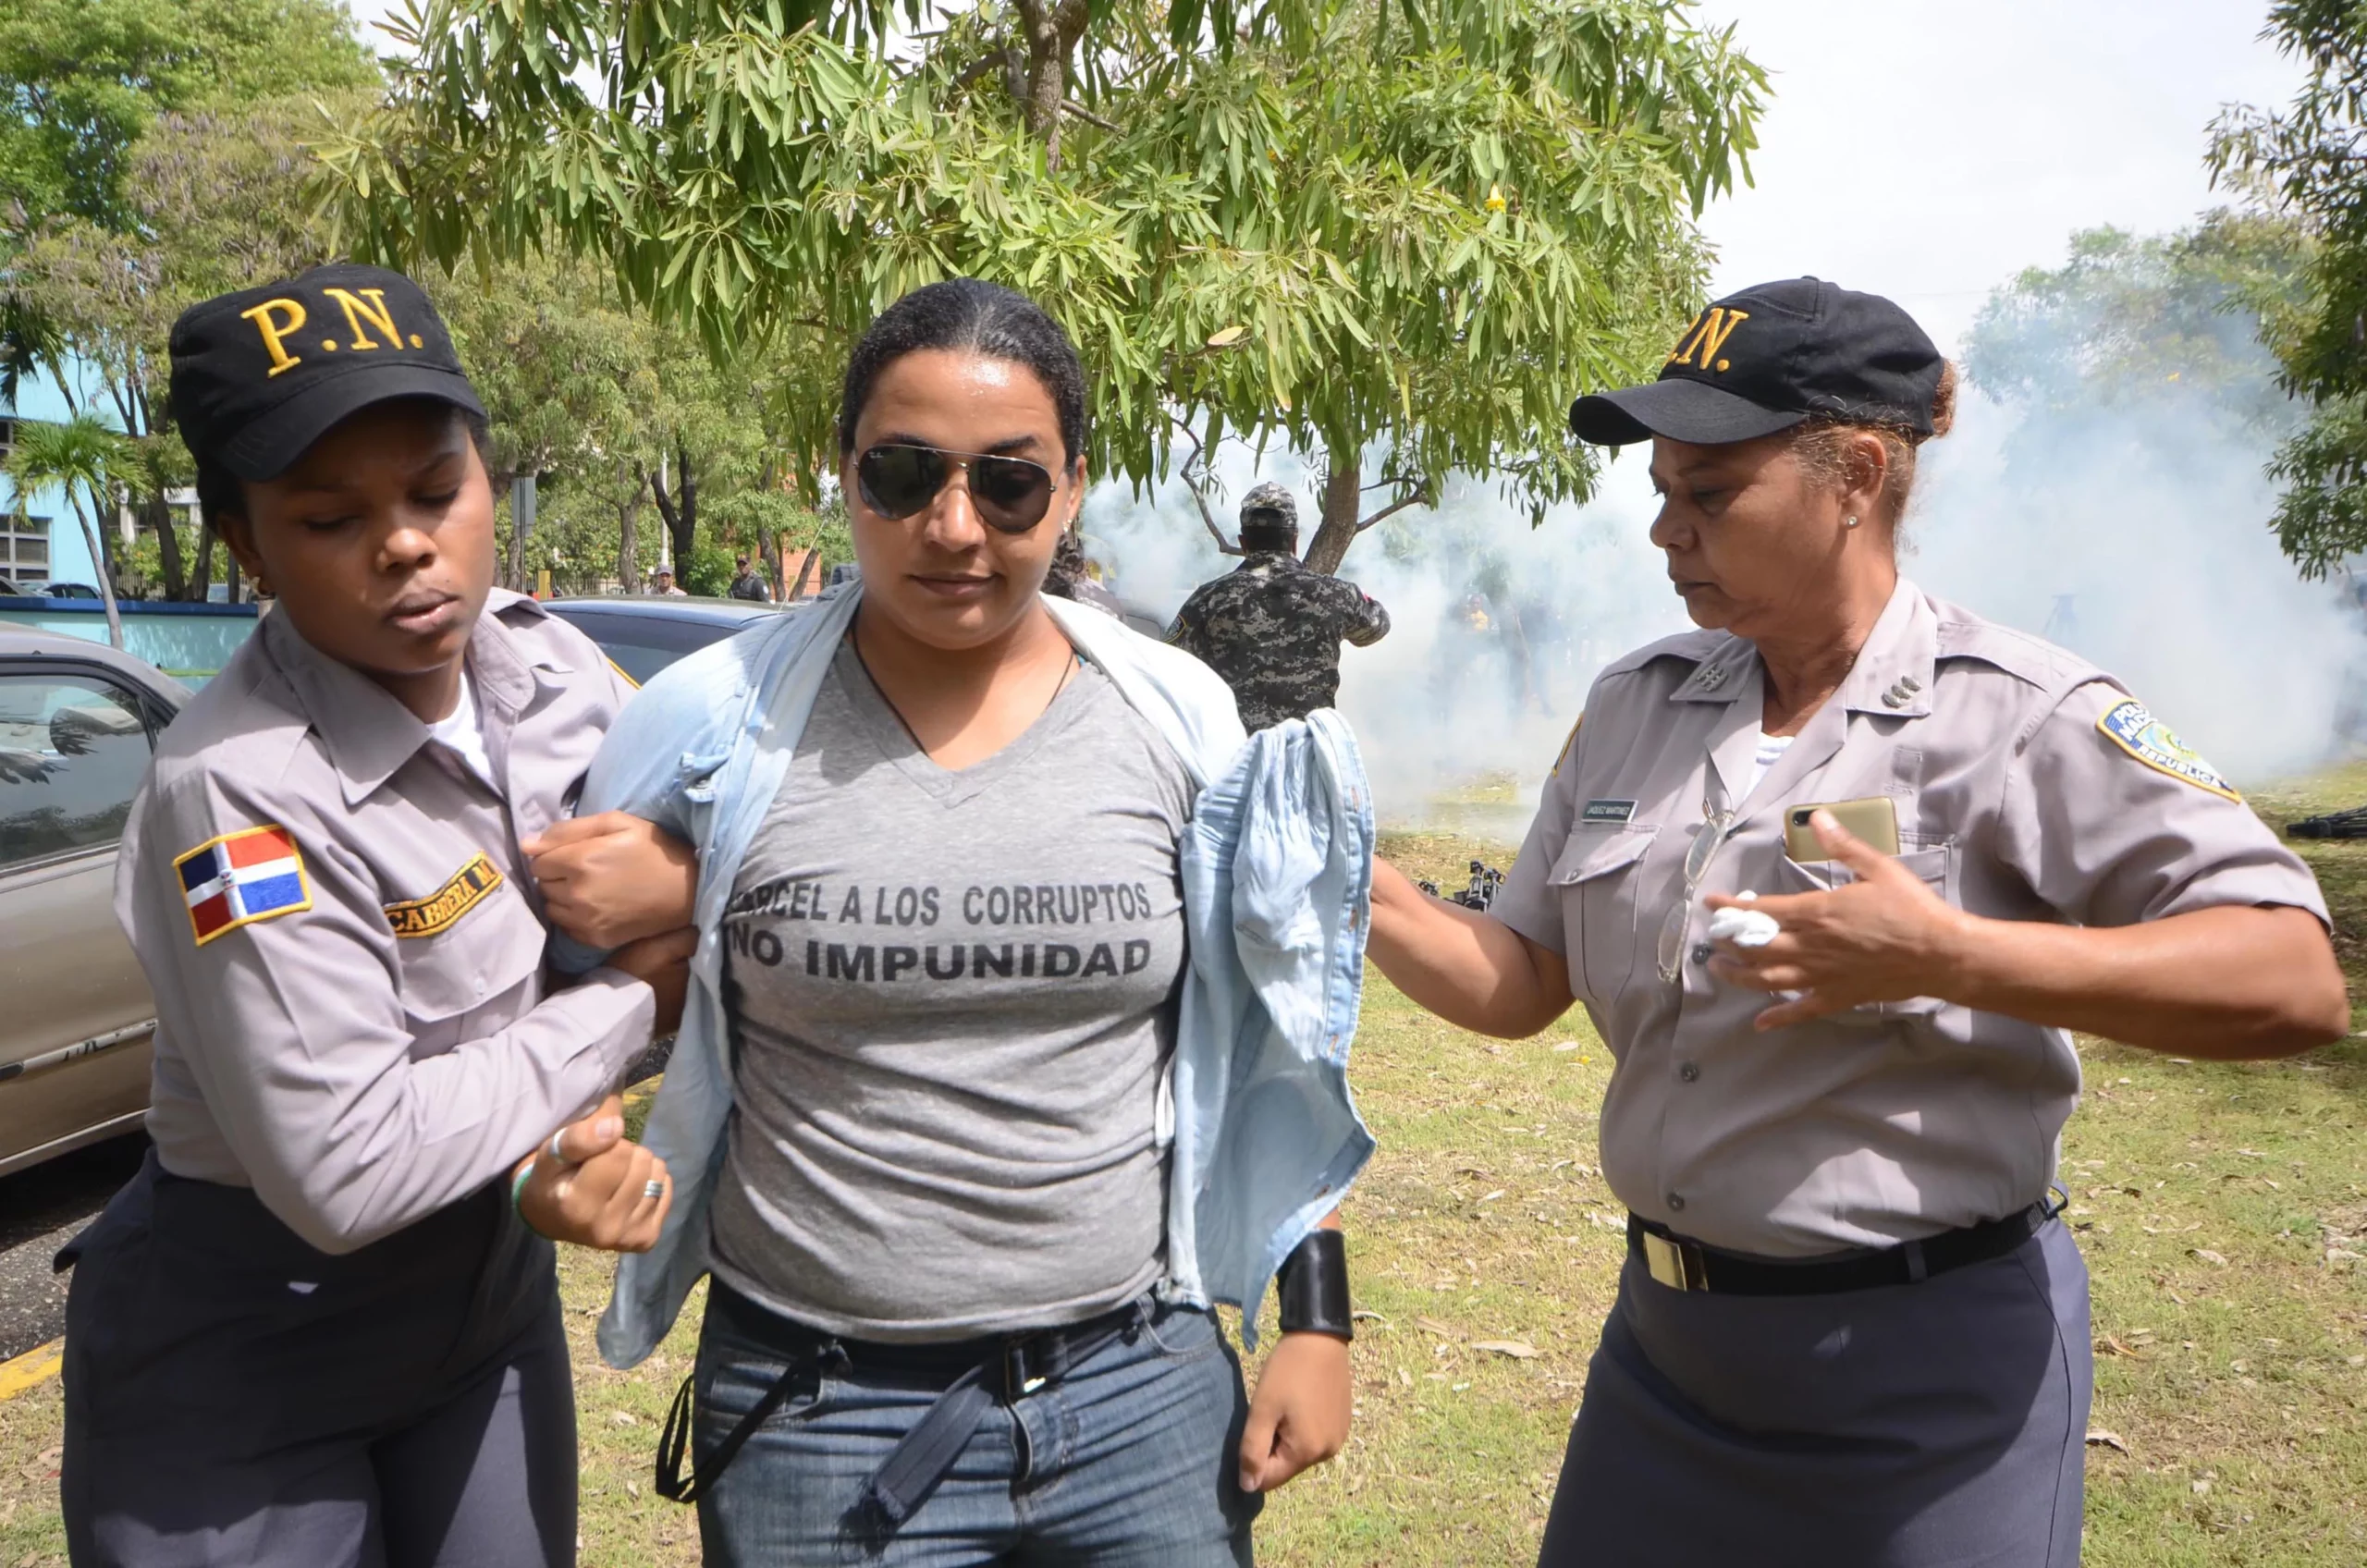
<point x="274" y="329"/>
<point x="370" y="306"/>
<point x="1705" y="337"/>
<point x="439" y="910"/>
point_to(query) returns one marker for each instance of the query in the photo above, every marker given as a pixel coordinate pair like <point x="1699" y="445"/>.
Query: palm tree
<point x="79" y="457"/>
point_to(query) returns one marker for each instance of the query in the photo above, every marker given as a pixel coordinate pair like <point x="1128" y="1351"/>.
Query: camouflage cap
<point x="1270" y="497"/>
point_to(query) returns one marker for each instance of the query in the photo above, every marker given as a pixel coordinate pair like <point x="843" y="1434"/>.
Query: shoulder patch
<point x="239" y="878"/>
<point x="441" y="909"/>
<point x="1567" y="747"/>
<point x="2132" y="726"/>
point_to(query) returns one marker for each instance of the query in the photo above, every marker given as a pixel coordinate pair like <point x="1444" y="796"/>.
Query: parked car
<point x="78" y="724"/>
<point x="644" y="634"/>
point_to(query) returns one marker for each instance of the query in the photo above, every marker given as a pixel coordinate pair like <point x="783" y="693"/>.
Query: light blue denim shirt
<point x="1277" y="869"/>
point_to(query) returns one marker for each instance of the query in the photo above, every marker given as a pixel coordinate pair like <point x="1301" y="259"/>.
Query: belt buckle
<point x="1669" y="1263"/>
<point x="1018" y="1380"/>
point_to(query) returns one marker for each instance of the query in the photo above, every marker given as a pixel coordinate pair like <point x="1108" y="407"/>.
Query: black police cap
<point x="260" y="375"/>
<point x="1769" y="358"/>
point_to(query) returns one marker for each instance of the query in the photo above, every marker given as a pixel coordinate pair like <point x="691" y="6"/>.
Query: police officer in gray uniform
<point x="1272" y="628"/>
<point x="1851" y="1330"/>
<point x="316" y="1330"/>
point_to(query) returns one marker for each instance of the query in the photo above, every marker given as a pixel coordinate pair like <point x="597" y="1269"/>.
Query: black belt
<point x="977" y="1374"/>
<point x="1683" y="1264"/>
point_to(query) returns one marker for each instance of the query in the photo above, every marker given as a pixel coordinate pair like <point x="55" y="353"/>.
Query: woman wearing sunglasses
<point x="1017" y="1035"/>
<point x="1851" y="1328"/>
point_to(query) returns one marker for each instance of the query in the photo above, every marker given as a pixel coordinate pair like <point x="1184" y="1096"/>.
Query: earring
<point x="1849" y="522"/>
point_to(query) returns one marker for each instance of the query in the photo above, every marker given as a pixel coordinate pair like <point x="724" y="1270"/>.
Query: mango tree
<point x="1395" y="235"/>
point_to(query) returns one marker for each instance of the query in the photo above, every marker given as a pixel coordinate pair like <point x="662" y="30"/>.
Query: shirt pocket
<point x="1597" y="879"/>
<point x="1935" y="864"/>
<point x="473" y="976"/>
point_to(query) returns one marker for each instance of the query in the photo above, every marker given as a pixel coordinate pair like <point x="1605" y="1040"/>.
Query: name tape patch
<point x="425" y="917"/>
<point x="238" y="879"/>
<point x="1607" y="810"/>
<point x="2132" y="726"/>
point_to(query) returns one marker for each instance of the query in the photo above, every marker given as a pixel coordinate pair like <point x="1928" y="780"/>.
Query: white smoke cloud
<point x="2140" y="543"/>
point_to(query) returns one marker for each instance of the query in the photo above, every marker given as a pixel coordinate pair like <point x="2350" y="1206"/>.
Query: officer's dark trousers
<point x="1940" y="1425"/>
<point x="235" y="1396"/>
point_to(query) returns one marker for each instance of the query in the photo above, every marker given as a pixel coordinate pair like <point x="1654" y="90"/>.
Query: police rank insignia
<point x="442" y="908"/>
<point x="241" y="877"/>
<point x="2132" y="726"/>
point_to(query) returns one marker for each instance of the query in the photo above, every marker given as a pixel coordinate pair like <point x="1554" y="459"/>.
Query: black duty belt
<point x="1683" y="1264"/>
<point x="977" y="1376"/>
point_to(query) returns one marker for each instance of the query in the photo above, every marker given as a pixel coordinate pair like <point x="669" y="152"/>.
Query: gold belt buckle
<point x="1666" y="1261"/>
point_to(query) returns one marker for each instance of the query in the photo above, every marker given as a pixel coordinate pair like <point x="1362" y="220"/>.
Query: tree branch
<point x="1198" y="460"/>
<point x="1420" y="497"/>
<point x="1078" y="111"/>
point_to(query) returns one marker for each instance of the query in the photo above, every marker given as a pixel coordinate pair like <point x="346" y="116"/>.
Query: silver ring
<point x="553" y="1149"/>
<point x="652" y="1189"/>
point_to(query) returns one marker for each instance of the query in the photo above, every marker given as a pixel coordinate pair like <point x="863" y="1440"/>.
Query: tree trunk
<point x="629" y="539"/>
<point x="203" y="584"/>
<point x="158" y="514"/>
<point x="1342" y="505"/>
<point x="680" y="510"/>
<point x="1052" y="28"/>
<point x="106" y="578"/>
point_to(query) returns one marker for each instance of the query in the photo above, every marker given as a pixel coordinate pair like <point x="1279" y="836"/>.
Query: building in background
<point x="40" y="540"/>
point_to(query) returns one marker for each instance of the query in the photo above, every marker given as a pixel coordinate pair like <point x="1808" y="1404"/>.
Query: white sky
<point x="1929" y="150"/>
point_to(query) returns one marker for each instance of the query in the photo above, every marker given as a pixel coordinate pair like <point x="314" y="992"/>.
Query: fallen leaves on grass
<point x="2205" y="1255"/>
<point x="1519" y="1350"/>
<point x="2099" y="1438"/>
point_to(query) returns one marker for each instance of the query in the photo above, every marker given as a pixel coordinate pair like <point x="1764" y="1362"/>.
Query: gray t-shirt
<point x="952" y="997"/>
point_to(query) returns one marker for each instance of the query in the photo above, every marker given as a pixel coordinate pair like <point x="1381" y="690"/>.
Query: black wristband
<point x="1313" y="1287"/>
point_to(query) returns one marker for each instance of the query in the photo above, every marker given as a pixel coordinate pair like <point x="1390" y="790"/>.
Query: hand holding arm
<point x="613" y="878"/>
<point x="2232" y="982"/>
<point x="591" y="1186"/>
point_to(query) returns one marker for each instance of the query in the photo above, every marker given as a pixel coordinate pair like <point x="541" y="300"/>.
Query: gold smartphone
<point x="1874" y="819"/>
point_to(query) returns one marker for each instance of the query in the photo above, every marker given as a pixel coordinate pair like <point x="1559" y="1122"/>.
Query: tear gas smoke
<point x="2137" y="537"/>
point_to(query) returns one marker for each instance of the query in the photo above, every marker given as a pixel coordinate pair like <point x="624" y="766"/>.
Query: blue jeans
<point x="1132" y="1459"/>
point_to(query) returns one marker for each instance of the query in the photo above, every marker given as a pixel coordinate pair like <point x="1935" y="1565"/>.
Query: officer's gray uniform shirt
<point x="375" y="1039"/>
<point x="952" y="997"/>
<point x="2027" y="786"/>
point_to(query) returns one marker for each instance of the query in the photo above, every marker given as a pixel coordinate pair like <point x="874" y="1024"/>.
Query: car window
<point x="642" y="645"/>
<point x="73" y="749"/>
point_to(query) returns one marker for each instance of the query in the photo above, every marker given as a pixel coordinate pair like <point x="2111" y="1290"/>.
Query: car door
<point x="74" y="1012"/>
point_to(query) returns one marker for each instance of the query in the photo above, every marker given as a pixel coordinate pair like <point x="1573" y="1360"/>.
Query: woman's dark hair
<point x="985" y="318"/>
<point x="219" y="491"/>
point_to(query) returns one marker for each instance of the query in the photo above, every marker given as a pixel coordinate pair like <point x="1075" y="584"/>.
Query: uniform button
<point x="1676" y="1203"/>
<point x="1893" y="700"/>
<point x="1690" y="1072"/>
<point x="1703" y="952"/>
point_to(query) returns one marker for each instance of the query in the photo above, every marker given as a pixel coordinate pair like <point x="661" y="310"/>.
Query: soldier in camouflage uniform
<point x="1272" y="628"/>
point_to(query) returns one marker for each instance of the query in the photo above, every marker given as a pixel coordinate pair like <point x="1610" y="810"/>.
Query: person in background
<point x="665" y="588"/>
<point x="1271" y="627"/>
<point x="1852" y="1328"/>
<point x="747" y="583"/>
<point x="1018" y="1039"/>
<point x="319" y="1329"/>
<point x="1071" y="577"/>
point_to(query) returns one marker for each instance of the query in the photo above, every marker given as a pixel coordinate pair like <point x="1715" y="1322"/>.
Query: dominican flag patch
<point x="241" y="877"/>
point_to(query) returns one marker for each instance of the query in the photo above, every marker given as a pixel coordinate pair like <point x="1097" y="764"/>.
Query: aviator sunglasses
<point x="1010" y="494"/>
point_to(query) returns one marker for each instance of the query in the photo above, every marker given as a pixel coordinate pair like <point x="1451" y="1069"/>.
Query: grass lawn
<point x="2221" y="1208"/>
